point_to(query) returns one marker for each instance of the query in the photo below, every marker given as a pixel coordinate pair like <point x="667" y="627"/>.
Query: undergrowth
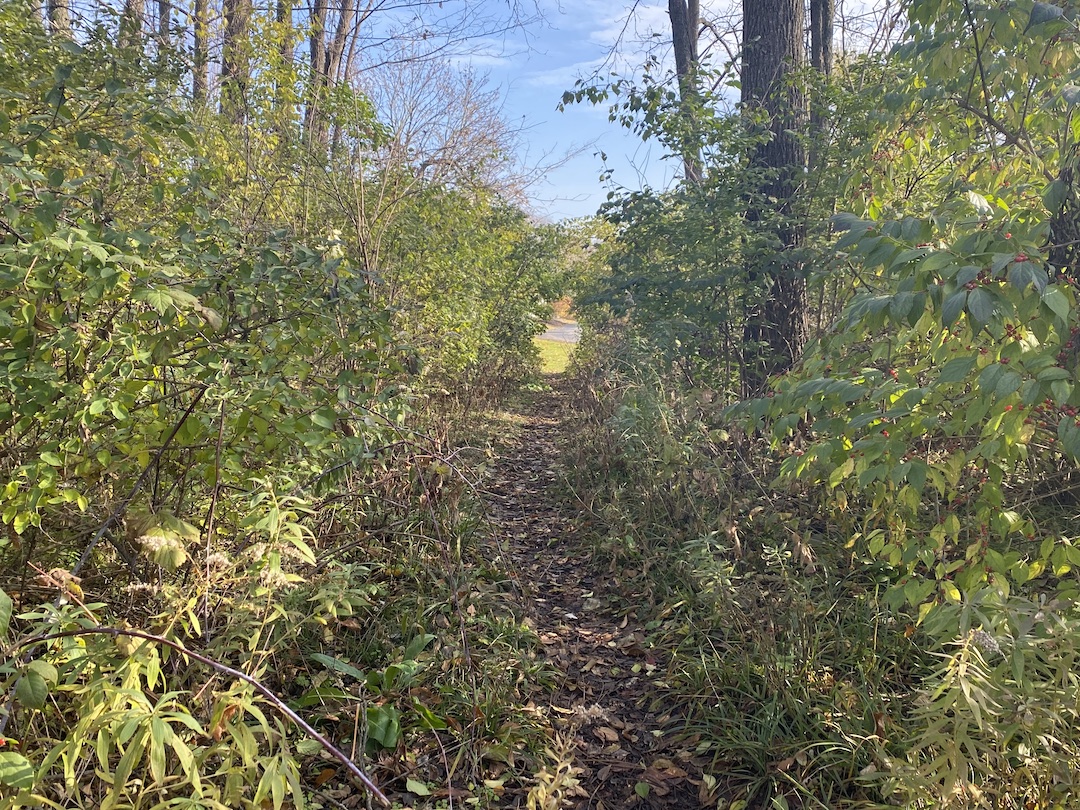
<point x="241" y="562"/>
<point x="796" y="672"/>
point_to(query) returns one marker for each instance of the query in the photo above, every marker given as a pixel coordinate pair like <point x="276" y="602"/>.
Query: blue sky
<point x="533" y="67"/>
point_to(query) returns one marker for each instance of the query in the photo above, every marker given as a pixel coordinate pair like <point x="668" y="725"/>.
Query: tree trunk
<point x="685" y="22"/>
<point x="59" y="12"/>
<point x="199" y="61"/>
<point x="777" y="329"/>
<point x="336" y="52"/>
<point x="283" y="101"/>
<point x="164" y="24"/>
<point x="131" y="23"/>
<point x="822" y="13"/>
<point x="283" y="17"/>
<point x="312" y="130"/>
<point x="234" y="60"/>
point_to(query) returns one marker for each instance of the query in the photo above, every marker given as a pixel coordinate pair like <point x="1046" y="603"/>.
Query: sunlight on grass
<point x="554" y="355"/>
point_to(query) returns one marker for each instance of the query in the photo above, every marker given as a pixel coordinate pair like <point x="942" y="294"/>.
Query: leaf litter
<point x="620" y="741"/>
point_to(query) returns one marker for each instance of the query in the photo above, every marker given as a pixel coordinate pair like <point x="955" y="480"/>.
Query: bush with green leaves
<point x="472" y="281"/>
<point x="929" y="438"/>
<point x="937" y="422"/>
<point x="214" y="493"/>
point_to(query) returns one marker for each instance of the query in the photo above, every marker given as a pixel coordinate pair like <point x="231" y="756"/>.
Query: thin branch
<point x="139" y="482"/>
<point x="277" y="702"/>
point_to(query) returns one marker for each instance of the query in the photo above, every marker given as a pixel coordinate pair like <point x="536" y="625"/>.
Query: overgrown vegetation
<point x="868" y="574"/>
<point x="245" y="327"/>
<point x="230" y="367"/>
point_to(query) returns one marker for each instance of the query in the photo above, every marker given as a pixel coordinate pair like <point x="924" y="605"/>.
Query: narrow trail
<point x="607" y="710"/>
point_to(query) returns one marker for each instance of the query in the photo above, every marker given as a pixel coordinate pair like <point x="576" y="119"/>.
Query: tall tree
<point x="164" y="23"/>
<point x="59" y="12"/>
<point x="317" y="62"/>
<point x="773" y="51"/>
<point x="131" y="23"/>
<point x="685" y="18"/>
<point x="822" y="22"/>
<point x="235" y="65"/>
<point x="284" y="76"/>
<point x="199" y="59"/>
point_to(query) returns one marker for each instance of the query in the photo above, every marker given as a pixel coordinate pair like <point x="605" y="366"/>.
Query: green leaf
<point x="185" y="136"/>
<point x="1007" y="383"/>
<point x="417" y="788"/>
<point x="980" y="306"/>
<point x="16" y="771"/>
<point x="31" y="690"/>
<point x="917" y="475"/>
<point x="417" y="645"/>
<point x="938" y="260"/>
<point x="952" y="307"/>
<point x="1060" y="390"/>
<point x="642" y="789"/>
<point x="428" y="717"/>
<point x="1022" y="274"/>
<point x="156" y="298"/>
<point x="979" y="203"/>
<point x="163" y="299"/>
<point x="5" y="613"/>
<point x="909" y="255"/>
<point x="324" y="418"/>
<point x="1069" y="435"/>
<point x="956" y="370"/>
<point x="43" y="668"/>
<point x="1044" y="13"/>
<point x="988" y="378"/>
<point x="384" y="726"/>
<point x="338" y="666"/>
<point x="52" y="459"/>
<point x="1054" y="194"/>
<point x="1057" y="302"/>
<point x="1053" y="373"/>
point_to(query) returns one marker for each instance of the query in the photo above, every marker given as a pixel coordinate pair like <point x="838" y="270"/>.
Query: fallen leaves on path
<point x="620" y="739"/>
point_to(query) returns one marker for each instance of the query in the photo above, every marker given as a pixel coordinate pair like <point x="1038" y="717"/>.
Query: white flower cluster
<point x="986" y="642"/>
<point x="153" y="543"/>
<point x="273" y="578"/>
<point x="217" y="561"/>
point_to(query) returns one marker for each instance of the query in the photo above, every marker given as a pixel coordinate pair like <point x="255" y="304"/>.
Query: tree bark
<point x="822" y="15"/>
<point x="164" y="23"/>
<point x="59" y="12"/>
<point x="317" y="50"/>
<point x="131" y="23"/>
<point x="336" y="52"/>
<point x="283" y="102"/>
<point x="685" y="18"/>
<point x="199" y="79"/>
<point x="234" y="60"/>
<point x="777" y="329"/>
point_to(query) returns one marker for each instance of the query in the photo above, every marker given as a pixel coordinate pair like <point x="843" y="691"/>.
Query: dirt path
<point x="608" y="708"/>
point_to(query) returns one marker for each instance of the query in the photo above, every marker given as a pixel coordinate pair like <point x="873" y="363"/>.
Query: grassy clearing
<point x="554" y="355"/>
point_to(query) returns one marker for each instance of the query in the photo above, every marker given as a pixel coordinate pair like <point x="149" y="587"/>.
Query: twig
<point x="277" y="702"/>
<point x="139" y="482"/>
<point x="211" y="511"/>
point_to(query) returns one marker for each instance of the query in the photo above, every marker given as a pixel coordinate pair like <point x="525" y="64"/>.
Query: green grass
<point x="554" y="355"/>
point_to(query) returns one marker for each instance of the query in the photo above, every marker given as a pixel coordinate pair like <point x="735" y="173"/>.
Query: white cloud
<point x="563" y="76"/>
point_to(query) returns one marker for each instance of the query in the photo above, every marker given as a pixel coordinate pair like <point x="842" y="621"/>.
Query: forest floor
<point x="618" y="744"/>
